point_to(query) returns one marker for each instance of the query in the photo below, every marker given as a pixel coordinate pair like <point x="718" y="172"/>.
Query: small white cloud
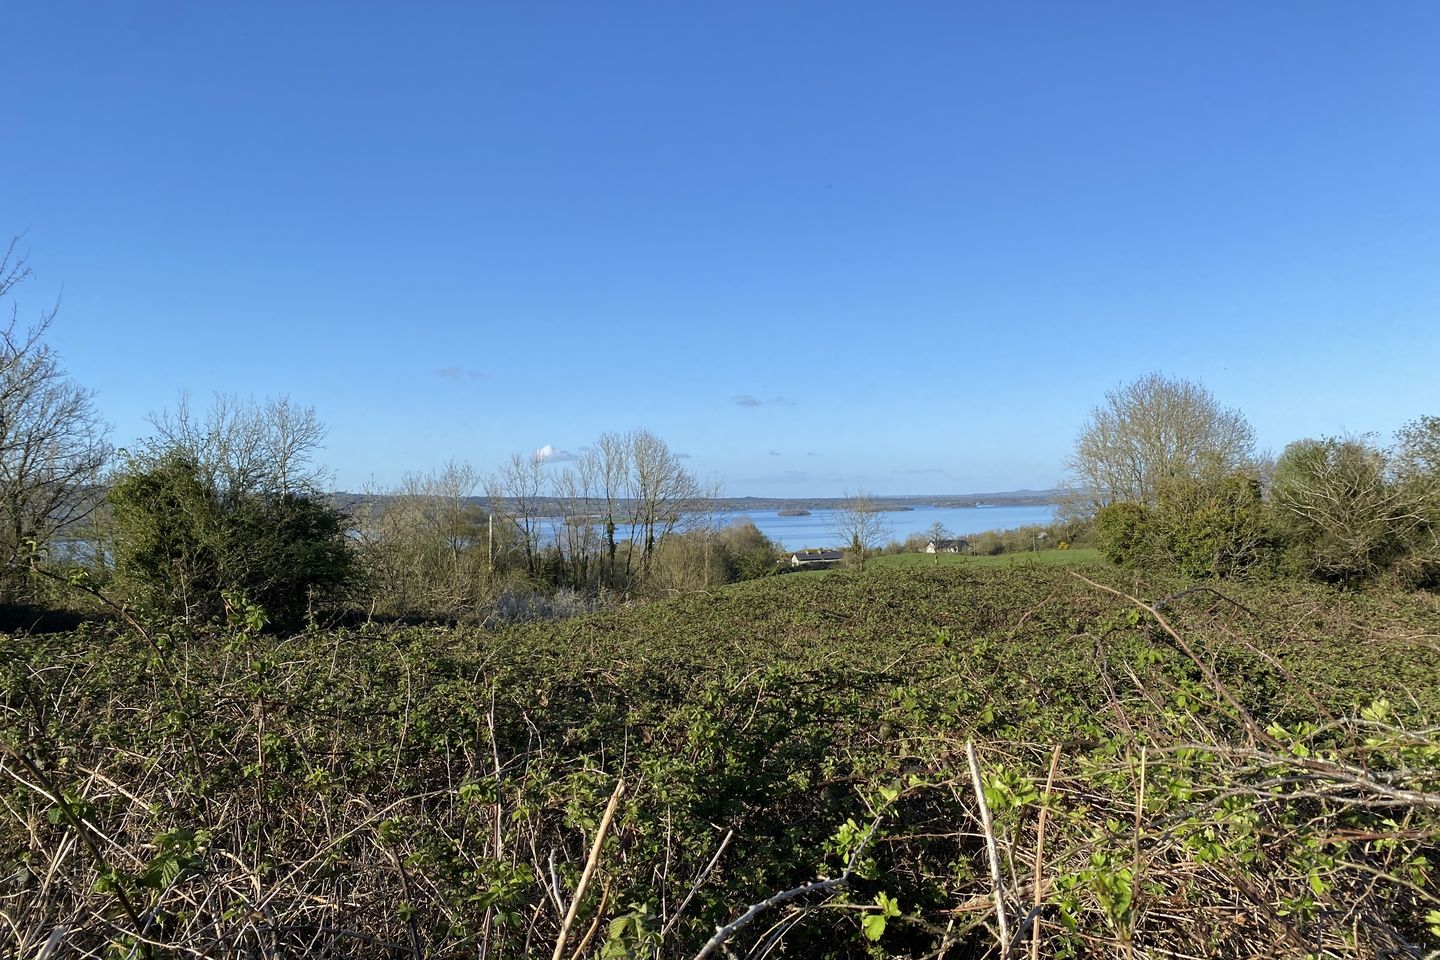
<point x="550" y="454"/>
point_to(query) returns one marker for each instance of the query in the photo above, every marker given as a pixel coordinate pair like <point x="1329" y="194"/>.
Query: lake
<point x="818" y="529"/>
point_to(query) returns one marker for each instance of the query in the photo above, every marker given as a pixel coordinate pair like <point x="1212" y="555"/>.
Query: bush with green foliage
<point x="991" y="543"/>
<point x="1201" y="528"/>
<point x="1123" y="534"/>
<point x="748" y="554"/>
<point x="1213" y="528"/>
<point x="181" y="545"/>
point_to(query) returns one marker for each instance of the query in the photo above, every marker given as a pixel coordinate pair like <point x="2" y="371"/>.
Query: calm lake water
<point x="817" y="529"/>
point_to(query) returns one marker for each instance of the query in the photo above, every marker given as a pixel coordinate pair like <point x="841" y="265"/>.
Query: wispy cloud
<point x="551" y="454"/>
<point x="750" y="400"/>
<point x="683" y="456"/>
<point x="918" y="470"/>
<point x="776" y="453"/>
<point x="459" y="373"/>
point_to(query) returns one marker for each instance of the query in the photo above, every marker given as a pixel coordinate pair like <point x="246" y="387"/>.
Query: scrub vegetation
<point x="1199" y="773"/>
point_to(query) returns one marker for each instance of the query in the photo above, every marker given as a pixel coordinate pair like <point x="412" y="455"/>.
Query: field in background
<point x="1075" y="557"/>
<point x="1079" y="556"/>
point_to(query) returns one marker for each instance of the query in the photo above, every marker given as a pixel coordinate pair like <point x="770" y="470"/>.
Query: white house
<point x="815" y="558"/>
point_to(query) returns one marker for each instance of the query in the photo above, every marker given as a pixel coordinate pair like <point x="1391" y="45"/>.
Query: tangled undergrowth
<point x="783" y="768"/>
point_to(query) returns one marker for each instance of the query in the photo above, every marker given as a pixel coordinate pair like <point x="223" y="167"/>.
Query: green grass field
<point x="918" y="561"/>
<point x="908" y="561"/>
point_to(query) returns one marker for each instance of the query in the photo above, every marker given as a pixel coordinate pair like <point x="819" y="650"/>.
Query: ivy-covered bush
<point x="1202" y="528"/>
<point x="181" y="545"/>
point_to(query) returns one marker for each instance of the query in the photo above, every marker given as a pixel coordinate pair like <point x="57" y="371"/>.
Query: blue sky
<point x="814" y="246"/>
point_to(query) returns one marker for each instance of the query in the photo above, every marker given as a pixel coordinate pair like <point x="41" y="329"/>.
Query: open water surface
<point x="818" y="529"/>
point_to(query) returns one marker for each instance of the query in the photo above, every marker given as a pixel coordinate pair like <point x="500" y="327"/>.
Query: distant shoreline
<point x="1011" y="498"/>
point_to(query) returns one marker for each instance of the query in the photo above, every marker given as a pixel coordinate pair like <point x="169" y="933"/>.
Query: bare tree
<point x="708" y="522"/>
<point x="577" y="489"/>
<point x="1152" y="430"/>
<point x="860" y="526"/>
<point x="52" y="441"/>
<point x="937" y="537"/>
<point x="242" y="447"/>
<point x="666" y="492"/>
<point x="424" y="543"/>
<point x="613" y="452"/>
<point x="517" y="493"/>
<point x="1417" y="453"/>
<point x="1349" y="510"/>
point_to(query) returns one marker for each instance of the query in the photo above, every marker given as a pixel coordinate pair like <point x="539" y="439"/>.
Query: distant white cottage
<point x="815" y="558"/>
<point x="947" y="546"/>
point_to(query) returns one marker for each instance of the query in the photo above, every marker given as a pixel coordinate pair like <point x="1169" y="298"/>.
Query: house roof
<point x="817" y="555"/>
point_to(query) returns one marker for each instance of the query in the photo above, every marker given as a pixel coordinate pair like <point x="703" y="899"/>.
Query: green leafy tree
<point x="1418" y="450"/>
<point x="169" y="537"/>
<point x="1417" y="470"/>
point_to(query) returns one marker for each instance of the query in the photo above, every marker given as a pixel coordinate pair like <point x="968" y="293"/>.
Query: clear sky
<point x="904" y="246"/>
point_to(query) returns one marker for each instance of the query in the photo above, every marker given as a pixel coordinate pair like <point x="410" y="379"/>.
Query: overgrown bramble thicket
<point x="1200" y="775"/>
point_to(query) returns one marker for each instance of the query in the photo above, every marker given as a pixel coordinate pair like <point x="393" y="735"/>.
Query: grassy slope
<point x="1083" y="556"/>
<point x="1079" y="556"/>
<point x="1346" y="647"/>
